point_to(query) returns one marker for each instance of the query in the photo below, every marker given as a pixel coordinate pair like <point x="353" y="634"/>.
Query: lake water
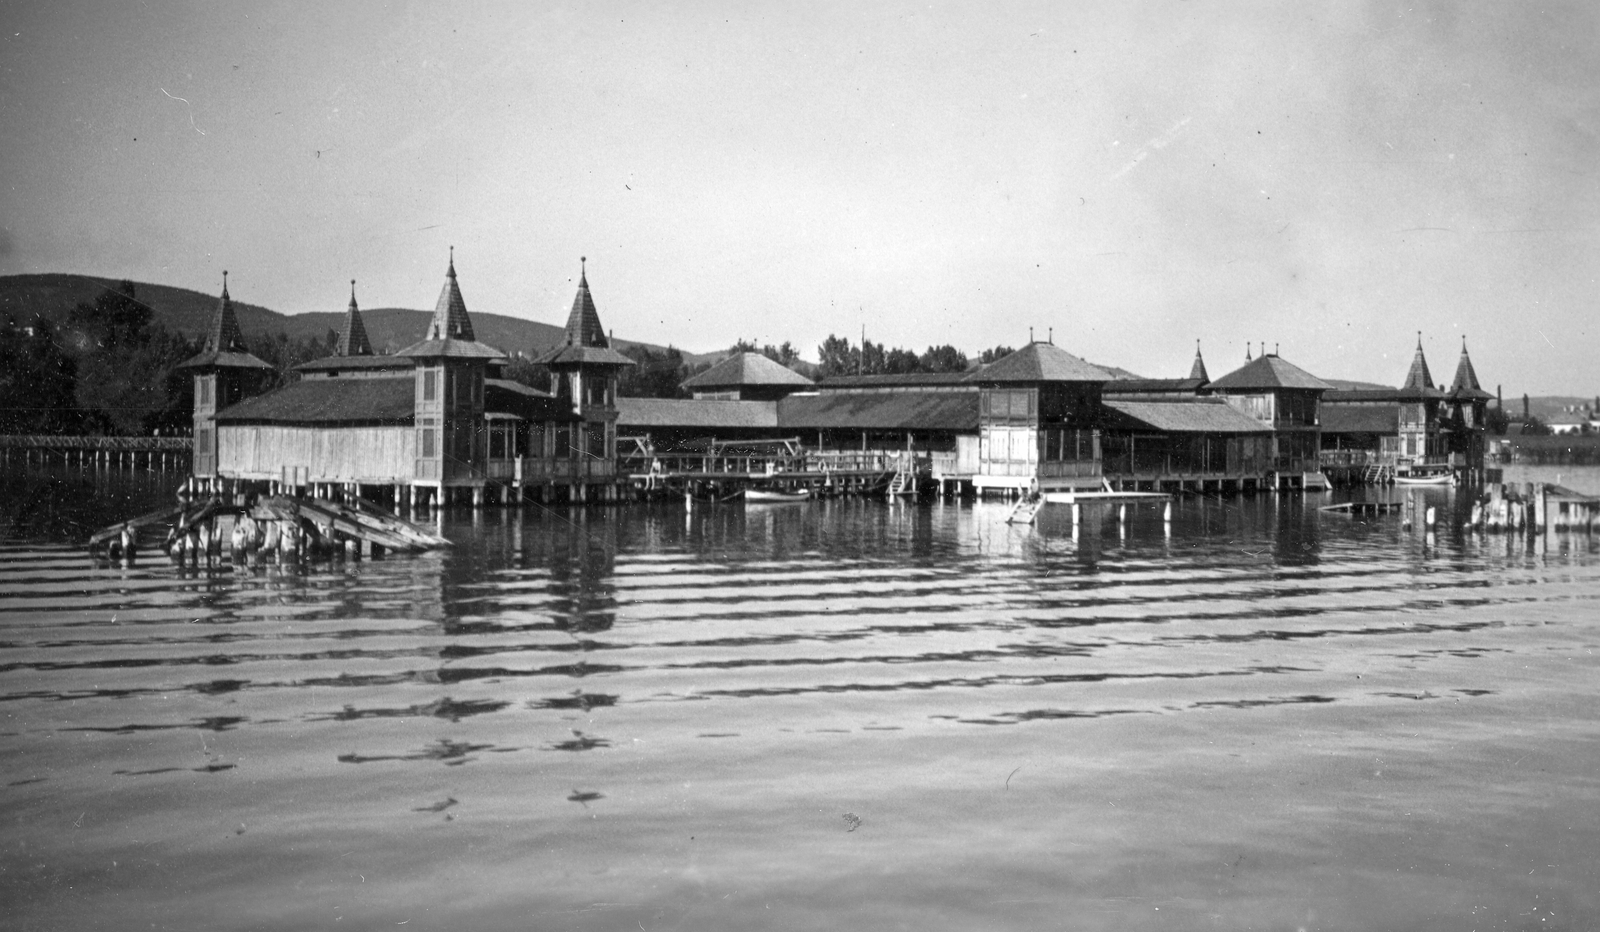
<point x="838" y="715"/>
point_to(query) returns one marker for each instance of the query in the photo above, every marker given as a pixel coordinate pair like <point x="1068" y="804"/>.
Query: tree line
<point x="110" y="369"/>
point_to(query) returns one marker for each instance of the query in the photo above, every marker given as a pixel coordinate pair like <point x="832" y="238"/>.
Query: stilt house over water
<point x="436" y="420"/>
<point x="224" y="373"/>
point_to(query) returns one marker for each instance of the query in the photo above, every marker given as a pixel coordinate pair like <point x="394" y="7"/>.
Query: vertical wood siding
<point x="347" y="454"/>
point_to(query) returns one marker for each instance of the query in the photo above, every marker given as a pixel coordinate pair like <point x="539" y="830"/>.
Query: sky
<point x="1124" y="178"/>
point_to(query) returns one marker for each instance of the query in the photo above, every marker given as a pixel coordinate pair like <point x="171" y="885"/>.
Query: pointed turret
<point x="1466" y="384"/>
<point x="224" y="344"/>
<point x="450" y="330"/>
<point x="586" y="340"/>
<point x="450" y="320"/>
<point x="224" y="336"/>
<point x="224" y="374"/>
<point x="1198" y="370"/>
<point x="1419" y="379"/>
<point x="583" y="323"/>
<point x="353" y="338"/>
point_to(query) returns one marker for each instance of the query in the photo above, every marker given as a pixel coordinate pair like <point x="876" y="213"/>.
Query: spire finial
<point x="451" y="271"/>
<point x="1247" y="351"/>
<point x="1052" y="336"/>
<point x="352" y="290"/>
<point x="1419" y="339"/>
<point x="583" y="268"/>
<point x="224" y="282"/>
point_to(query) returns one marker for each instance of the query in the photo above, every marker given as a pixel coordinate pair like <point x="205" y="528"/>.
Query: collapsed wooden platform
<point x="277" y="522"/>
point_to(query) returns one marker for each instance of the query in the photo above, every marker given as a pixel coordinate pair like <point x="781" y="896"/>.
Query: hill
<point x="189" y="313"/>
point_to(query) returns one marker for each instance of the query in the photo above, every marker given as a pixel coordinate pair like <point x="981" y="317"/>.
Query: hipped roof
<point x="1269" y="371"/>
<point x="742" y="369"/>
<point x="1040" y="362"/>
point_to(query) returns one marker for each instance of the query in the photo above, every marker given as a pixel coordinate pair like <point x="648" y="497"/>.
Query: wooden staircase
<point x="904" y="481"/>
<point x="1377" y="474"/>
<point x="1026" y="510"/>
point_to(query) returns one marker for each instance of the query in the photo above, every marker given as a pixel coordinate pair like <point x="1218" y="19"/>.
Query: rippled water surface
<point x="833" y="715"/>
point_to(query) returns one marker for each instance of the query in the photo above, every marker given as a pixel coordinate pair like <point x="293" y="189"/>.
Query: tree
<point x="943" y="359"/>
<point x="125" y="382"/>
<point x="524" y="371"/>
<point x="116" y="317"/>
<point x="655" y="375"/>
<point x="997" y="353"/>
<point x="901" y="362"/>
<point x="837" y="357"/>
<point x="37" y="377"/>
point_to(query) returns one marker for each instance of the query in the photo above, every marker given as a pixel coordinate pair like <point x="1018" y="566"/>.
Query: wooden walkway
<point x="156" y="452"/>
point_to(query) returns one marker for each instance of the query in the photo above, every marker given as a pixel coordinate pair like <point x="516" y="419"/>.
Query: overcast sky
<point x="1326" y="177"/>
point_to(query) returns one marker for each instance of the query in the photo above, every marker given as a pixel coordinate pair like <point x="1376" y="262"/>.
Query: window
<point x="205" y="390"/>
<point x="429" y="437"/>
<point x="430" y="385"/>
<point x="202" y="442"/>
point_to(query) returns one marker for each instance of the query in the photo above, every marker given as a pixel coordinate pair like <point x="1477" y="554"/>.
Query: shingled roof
<point x="353" y="336"/>
<point x="1359" y="418"/>
<point x="1191" y="416"/>
<point x="450" y="332"/>
<point x="1040" y="362"/>
<point x="911" y="410"/>
<point x="742" y="369"/>
<point x="224" y="347"/>
<point x="587" y="343"/>
<point x="634" y="413"/>
<point x="329" y="401"/>
<point x="1268" y="371"/>
<point x="1466" y="384"/>
<point x="1198" y="370"/>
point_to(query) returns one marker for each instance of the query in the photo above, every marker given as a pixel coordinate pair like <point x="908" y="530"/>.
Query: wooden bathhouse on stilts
<point x="224" y="373"/>
<point x="433" y="423"/>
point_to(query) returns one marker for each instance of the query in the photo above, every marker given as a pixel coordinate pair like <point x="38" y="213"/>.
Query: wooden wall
<point x="338" y="454"/>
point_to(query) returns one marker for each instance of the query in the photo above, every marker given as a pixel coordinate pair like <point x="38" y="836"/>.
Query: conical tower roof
<point x="225" y="336"/>
<point x="224" y="346"/>
<point x="1198" y="370"/>
<point x="1419" y="381"/>
<point x="450" y="330"/>
<point x="583" y="323"/>
<point x="586" y="338"/>
<point x="450" y="320"/>
<point x="1419" y="377"/>
<point x="1465" y="384"/>
<point x="353" y="337"/>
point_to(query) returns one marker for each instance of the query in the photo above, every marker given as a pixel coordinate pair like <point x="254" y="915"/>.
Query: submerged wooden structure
<point x="280" y="526"/>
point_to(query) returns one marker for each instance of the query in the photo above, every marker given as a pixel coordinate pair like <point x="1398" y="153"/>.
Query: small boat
<point x="770" y="496"/>
<point x="1436" y="478"/>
